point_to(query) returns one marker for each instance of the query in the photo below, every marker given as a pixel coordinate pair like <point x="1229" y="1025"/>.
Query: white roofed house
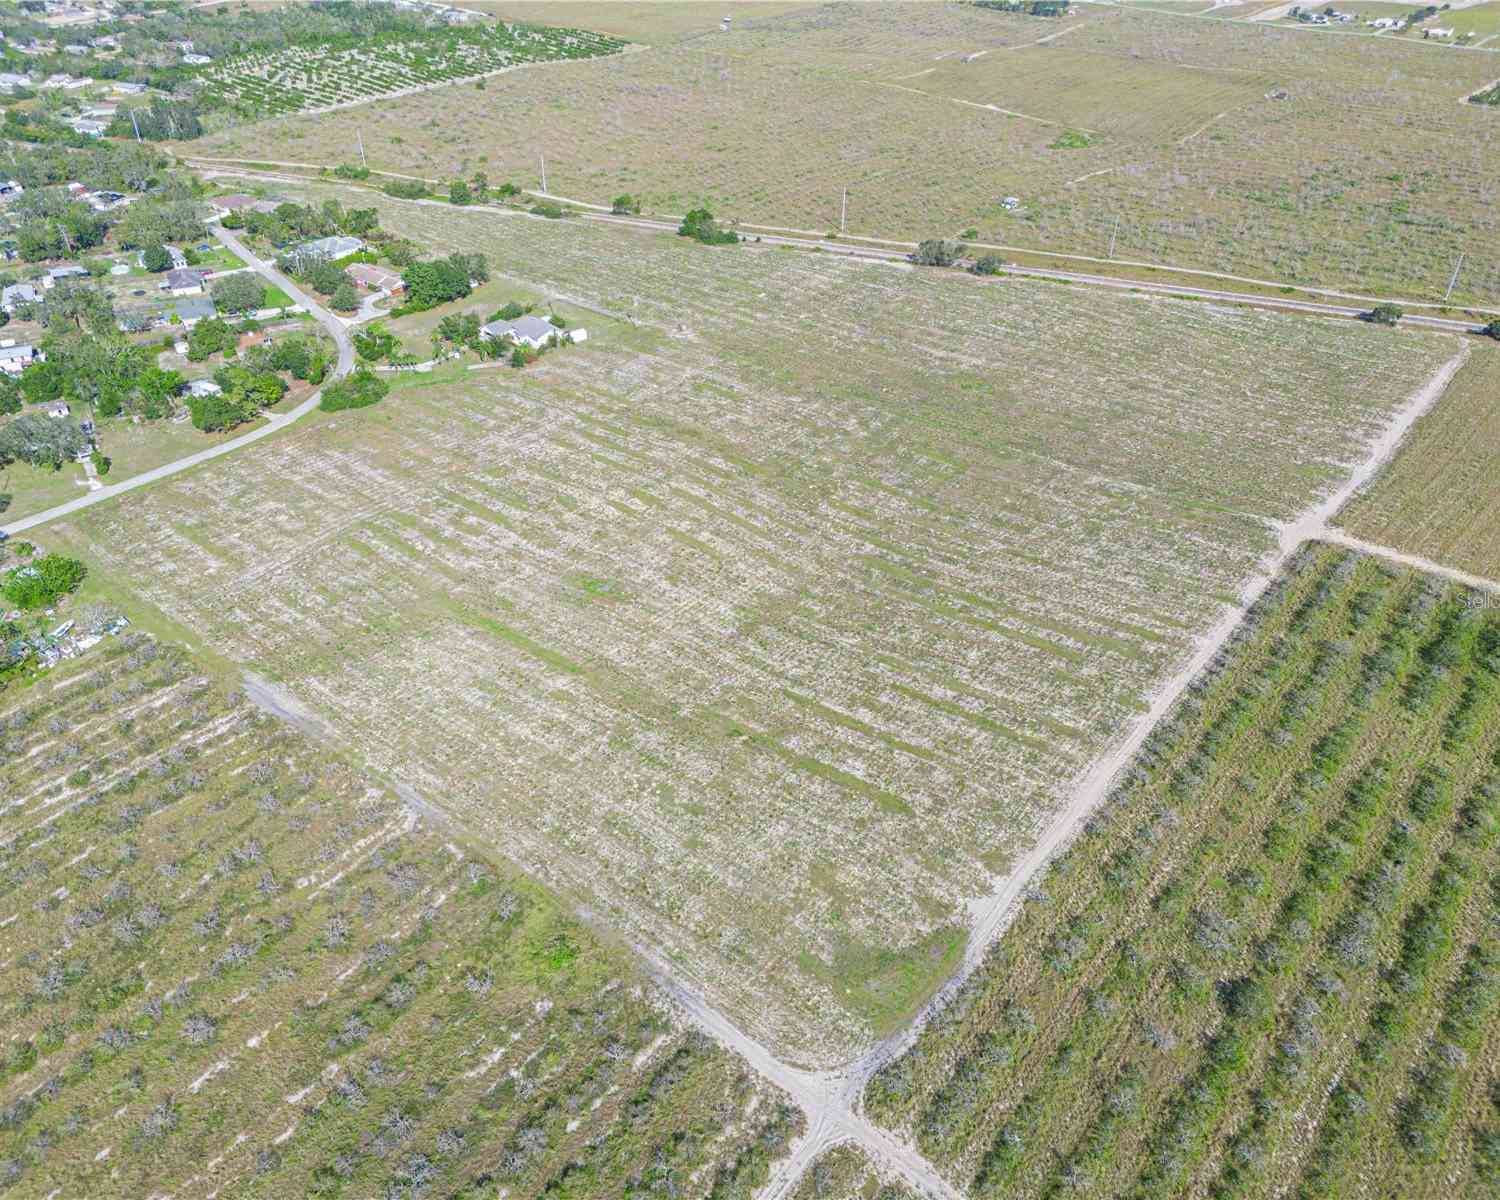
<point x="15" y="359"/>
<point x="196" y="60"/>
<point x="11" y="79"/>
<point x="88" y="126"/>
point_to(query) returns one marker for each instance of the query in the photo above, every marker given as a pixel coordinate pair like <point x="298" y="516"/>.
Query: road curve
<point x="277" y="422"/>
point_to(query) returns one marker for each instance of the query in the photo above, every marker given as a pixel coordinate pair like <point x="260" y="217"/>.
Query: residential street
<point x="279" y="421"/>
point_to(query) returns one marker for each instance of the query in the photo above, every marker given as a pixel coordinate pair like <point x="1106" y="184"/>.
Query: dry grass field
<point x="1223" y="145"/>
<point x="1271" y="966"/>
<point x="772" y="650"/>
<point x="1438" y="497"/>
<point x="231" y="965"/>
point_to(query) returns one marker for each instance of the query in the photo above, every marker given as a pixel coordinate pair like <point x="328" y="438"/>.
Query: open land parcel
<point x="1438" y="498"/>
<point x="1221" y="145"/>
<point x="773" y="648"/>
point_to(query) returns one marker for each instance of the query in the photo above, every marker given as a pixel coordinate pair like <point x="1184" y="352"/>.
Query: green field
<point x="1210" y="144"/>
<point x="1438" y="497"/>
<point x="1271" y="966"/>
<point x="236" y="966"/>
<point x="774" y="653"/>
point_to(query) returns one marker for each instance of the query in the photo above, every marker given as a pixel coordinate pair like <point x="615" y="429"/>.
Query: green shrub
<point x="38" y="584"/>
<point x="359" y="390"/>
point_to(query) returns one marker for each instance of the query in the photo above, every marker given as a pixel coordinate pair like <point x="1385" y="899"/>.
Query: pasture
<point x="772" y="651"/>
<point x="1271" y="966"/>
<point x="1437" y="497"/>
<point x="233" y="965"/>
<point x="1248" y="149"/>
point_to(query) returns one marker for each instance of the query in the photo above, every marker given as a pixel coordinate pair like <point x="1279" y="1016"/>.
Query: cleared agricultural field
<point x="231" y="965"/>
<point x="1271" y="966"/>
<point x="1243" y="148"/>
<point x="1439" y="496"/>
<point x="773" y="650"/>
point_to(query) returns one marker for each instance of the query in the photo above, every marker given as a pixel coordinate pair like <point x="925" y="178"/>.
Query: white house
<point x="58" y="409"/>
<point x="196" y="60"/>
<point x="88" y="127"/>
<point x="204" y="387"/>
<point x="530" y="331"/>
<point x="11" y="79"/>
<point x="1438" y="32"/>
<point x="187" y="281"/>
<point x="15" y="359"/>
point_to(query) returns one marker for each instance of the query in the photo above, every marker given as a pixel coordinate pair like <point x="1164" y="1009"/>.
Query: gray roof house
<point x="187" y="281"/>
<point x="204" y="387"/>
<point x="15" y="359"/>
<point x="55" y="275"/>
<point x="530" y="331"/>
<point x="19" y="293"/>
<point x="192" y="309"/>
<point x="328" y="247"/>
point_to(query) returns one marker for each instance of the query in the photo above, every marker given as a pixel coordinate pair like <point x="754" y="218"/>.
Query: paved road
<point x="277" y="422"/>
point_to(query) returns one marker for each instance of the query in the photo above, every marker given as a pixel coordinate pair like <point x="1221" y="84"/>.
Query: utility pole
<point x="362" y="160"/>
<point x="136" y="123"/>
<point x="844" y="214"/>
<point x="544" y="172"/>
<point x="1452" y="279"/>
<point x="1112" y="234"/>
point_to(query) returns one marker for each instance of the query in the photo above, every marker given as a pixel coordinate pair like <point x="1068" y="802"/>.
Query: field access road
<point x="278" y="421"/>
<point x="210" y="168"/>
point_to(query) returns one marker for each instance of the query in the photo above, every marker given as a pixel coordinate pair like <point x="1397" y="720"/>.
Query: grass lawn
<point x="221" y="258"/>
<point x="131" y="448"/>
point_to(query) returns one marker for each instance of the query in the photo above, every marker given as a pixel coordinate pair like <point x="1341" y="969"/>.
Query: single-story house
<point x="15" y="359"/>
<point x="17" y="294"/>
<point x="192" y="309"/>
<point x="375" y="278"/>
<point x="10" y="189"/>
<point x="76" y="49"/>
<point x="56" y="275"/>
<point x="104" y="201"/>
<point x="187" y="281"/>
<point x="1437" y="32"/>
<point x="529" y="331"/>
<point x="204" y="387"/>
<point x="107" y="41"/>
<point x="58" y="410"/>
<point x="88" y="127"/>
<point x="179" y="259"/>
<point x="128" y="89"/>
<point x="196" y="60"/>
<point x="328" y="247"/>
<point x="14" y="79"/>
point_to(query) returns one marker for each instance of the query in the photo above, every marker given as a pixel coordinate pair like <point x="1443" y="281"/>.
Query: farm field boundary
<point x="1283" y="298"/>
